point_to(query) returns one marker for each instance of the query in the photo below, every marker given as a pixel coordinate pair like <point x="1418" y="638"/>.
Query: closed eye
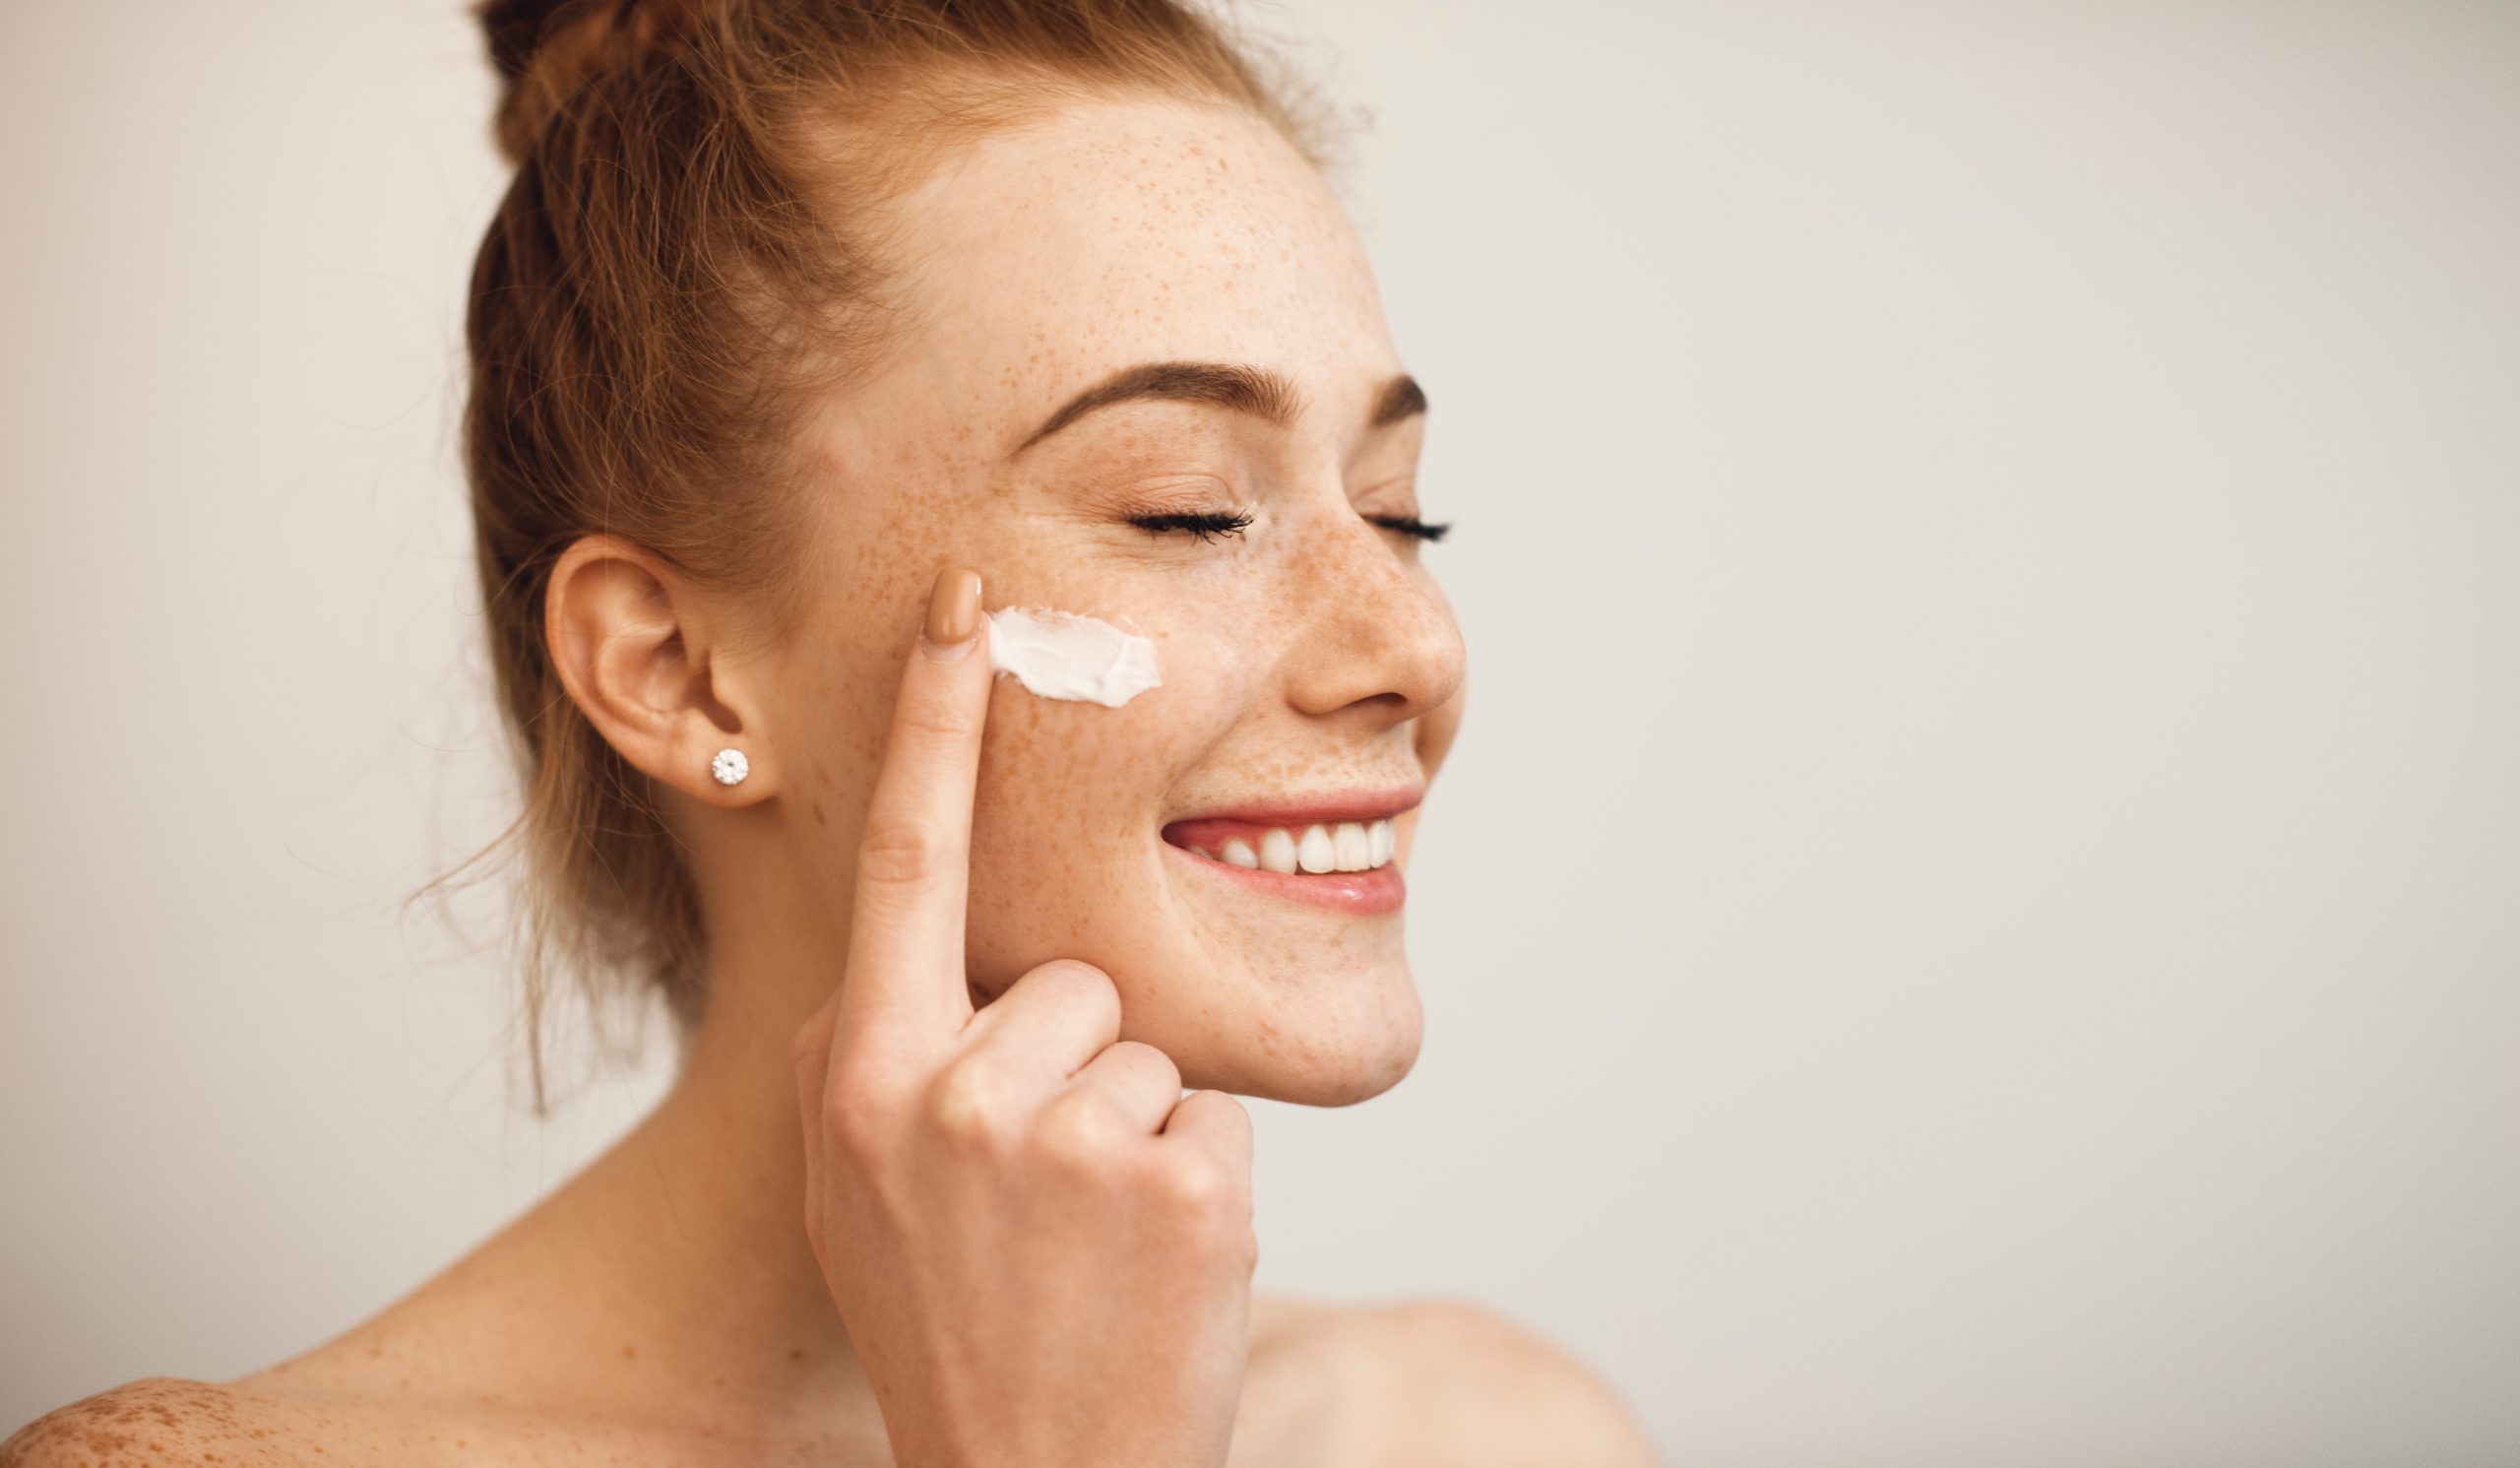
<point x="1206" y="525"/>
<point x="1410" y="524"/>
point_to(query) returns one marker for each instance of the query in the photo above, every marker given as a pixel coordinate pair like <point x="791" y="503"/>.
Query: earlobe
<point x="630" y="638"/>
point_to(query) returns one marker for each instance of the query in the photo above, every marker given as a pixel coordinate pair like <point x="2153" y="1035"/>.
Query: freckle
<point x="798" y="1354"/>
<point x="629" y="1353"/>
<point x="717" y="1381"/>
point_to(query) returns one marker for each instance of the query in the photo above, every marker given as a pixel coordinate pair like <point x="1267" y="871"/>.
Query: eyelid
<point x="1123" y="498"/>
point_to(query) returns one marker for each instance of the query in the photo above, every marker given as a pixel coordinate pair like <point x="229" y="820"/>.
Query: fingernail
<point x="953" y="614"/>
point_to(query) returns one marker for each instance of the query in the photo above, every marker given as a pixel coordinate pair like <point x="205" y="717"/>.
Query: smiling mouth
<point x="1318" y="849"/>
<point x="1344" y="867"/>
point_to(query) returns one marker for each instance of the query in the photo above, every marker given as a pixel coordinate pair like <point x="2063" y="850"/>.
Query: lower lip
<point x="1363" y="893"/>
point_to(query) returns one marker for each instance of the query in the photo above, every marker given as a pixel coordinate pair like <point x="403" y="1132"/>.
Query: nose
<point x="1378" y="633"/>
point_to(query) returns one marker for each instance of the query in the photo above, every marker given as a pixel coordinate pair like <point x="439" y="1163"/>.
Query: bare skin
<point x="668" y="1305"/>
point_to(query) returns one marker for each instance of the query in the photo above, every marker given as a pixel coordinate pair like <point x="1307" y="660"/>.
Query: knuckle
<point x="1139" y="1053"/>
<point x="1241" y="1126"/>
<point x="899" y="852"/>
<point x="1222" y="1125"/>
<point x="1198" y="1189"/>
<point x="811" y="1045"/>
<point x="853" y="1116"/>
<point x="968" y="1107"/>
<point x="935" y="719"/>
<point x="1081" y="1136"/>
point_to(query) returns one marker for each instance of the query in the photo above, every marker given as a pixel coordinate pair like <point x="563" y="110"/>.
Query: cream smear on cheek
<point x="1068" y="655"/>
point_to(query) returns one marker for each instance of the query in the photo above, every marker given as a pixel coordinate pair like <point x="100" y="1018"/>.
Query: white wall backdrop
<point x="1976" y="917"/>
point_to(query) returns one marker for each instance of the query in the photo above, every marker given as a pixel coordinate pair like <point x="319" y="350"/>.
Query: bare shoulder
<point x="1450" y="1381"/>
<point x="155" y="1420"/>
<point x="256" y="1419"/>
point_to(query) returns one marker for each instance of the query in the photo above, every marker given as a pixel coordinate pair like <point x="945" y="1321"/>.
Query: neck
<point x="680" y="1254"/>
<point x="713" y="1186"/>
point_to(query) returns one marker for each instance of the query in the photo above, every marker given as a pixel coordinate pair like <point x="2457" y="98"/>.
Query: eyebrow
<point x="1257" y="391"/>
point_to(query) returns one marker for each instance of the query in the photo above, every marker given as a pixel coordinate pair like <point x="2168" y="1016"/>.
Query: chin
<point x="1307" y="1061"/>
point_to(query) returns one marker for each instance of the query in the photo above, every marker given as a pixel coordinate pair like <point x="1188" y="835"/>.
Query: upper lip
<point x="1299" y="811"/>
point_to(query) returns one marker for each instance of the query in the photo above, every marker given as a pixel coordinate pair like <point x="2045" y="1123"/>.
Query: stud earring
<point x="731" y="767"/>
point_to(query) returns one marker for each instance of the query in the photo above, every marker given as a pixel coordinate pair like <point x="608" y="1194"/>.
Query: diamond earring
<point x="731" y="767"/>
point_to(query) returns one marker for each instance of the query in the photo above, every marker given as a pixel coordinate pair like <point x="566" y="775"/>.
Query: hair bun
<point x="544" y="50"/>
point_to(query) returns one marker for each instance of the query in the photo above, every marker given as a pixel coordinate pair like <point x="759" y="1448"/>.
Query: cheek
<point x="1064" y="828"/>
<point x="1088" y="769"/>
<point x="828" y="716"/>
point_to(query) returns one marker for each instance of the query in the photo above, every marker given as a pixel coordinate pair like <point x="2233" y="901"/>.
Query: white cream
<point x="1068" y="655"/>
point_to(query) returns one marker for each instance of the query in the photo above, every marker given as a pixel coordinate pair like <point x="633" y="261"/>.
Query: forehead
<point x="1113" y="234"/>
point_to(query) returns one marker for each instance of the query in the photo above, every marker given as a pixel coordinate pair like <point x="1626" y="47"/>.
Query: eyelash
<point x="1206" y="525"/>
<point x="1410" y="524"/>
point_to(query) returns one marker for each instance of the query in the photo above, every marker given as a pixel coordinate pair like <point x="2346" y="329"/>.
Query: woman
<point x="813" y="343"/>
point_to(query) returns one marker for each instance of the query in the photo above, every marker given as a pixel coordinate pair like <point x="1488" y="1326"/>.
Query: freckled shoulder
<point x="1464" y="1385"/>
<point x="256" y="1421"/>
<point x="155" y="1420"/>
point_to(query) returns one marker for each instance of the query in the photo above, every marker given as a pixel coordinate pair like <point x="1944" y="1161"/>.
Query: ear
<point x="632" y="642"/>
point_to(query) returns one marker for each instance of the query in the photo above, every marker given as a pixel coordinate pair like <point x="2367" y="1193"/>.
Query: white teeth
<point x="1348" y="846"/>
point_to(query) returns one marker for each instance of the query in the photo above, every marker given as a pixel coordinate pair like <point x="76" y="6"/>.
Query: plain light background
<point x="1975" y="917"/>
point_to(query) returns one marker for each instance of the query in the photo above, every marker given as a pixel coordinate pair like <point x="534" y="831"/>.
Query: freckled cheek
<point x="1077" y="773"/>
<point x="1063" y="831"/>
<point x="1218" y="674"/>
<point x="824" y="715"/>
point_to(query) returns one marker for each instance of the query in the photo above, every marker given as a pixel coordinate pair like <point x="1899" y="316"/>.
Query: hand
<point x="1042" y="1249"/>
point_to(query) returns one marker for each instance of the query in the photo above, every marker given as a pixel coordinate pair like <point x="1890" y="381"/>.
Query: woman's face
<point x="1310" y="656"/>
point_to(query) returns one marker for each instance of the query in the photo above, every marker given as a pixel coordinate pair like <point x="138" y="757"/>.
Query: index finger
<point x="905" y="969"/>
